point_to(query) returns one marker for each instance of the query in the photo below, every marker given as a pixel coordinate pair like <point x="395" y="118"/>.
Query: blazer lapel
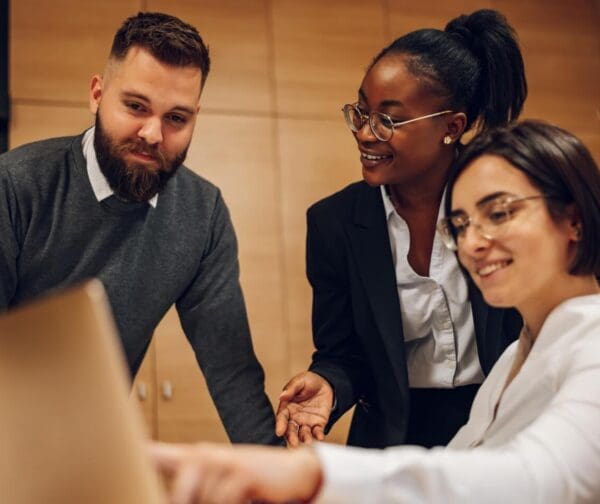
<point x="371" y="247"/>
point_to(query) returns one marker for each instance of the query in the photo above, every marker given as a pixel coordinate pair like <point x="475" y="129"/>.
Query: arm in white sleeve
<point x="555" y="459"/>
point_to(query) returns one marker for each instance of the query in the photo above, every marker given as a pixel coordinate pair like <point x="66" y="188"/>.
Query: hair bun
<point x="474" y="29"/>
<point x="460" y="28"/>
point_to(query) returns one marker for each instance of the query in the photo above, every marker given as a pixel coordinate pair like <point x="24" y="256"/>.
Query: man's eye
<point x="177" y="119"/>
<point x="135" y="106"/>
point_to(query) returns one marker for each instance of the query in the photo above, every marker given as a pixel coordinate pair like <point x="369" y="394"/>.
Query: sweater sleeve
<point x="213" y="316"/>
<point x="9" y="246"/>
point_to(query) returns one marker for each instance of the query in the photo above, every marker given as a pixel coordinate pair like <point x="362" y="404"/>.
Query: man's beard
<point x="135" y="182"/>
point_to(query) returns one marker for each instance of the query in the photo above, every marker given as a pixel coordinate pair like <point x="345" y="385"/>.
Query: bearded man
<point x="116" y="203"/>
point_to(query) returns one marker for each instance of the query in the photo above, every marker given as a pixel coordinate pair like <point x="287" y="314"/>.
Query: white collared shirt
<point x="97" y="179"/>
<point x="542" y="445"/>
<point x="439" y="333"/>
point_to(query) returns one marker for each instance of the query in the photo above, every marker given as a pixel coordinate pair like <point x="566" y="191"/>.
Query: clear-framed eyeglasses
<point x="381" y="124"/>
<point x="492" y="219"/>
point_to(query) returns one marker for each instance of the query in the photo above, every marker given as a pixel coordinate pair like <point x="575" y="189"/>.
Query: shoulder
<point x="29" y="154"/>
<point x="39" y="163"/>
<point x="195" y="183"/>
<point x="579" y="317"/>
<point x="571" y="332"/>
<point x="193" y="198"/>
<point x="342" y="204"/>
<point x="188" y="186"/>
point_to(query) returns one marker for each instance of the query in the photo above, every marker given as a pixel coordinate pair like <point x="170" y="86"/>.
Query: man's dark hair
<point x="167" y="38"/>
<point x="559" y="165"/>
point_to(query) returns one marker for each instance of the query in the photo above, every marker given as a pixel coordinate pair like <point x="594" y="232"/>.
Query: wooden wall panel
<point x="144" y="392"/>
<point x="236" y="32"/>
<point x="311" y="168"/>
<point x="187" y="414"/>
<point x="316" y="158"/>
<point x="237" y="153"/>
<point x="321" y="51"/>
<point x="408" y="15"/>
<point x="561" y="47"/>
<point x="36" y="122"/>
<point x="57" y="46"/>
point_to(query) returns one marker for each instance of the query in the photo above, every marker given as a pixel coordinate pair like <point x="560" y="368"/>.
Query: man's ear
<point x="95" y="93"/>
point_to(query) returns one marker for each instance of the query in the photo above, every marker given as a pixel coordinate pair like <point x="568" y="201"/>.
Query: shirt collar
<point x="387" y="202"/>
<point x="100" y="186"/>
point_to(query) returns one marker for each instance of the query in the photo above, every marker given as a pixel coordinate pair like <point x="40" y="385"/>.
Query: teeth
<point x="490" y="268"/>
<point x="373" y="158"/>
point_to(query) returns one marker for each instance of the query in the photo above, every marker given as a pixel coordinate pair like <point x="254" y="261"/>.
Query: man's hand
<point x="304" y="408"/>
<point x="211" y="473"/>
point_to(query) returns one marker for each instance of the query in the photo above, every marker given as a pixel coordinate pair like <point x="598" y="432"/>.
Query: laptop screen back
<point x="67" y="430"/>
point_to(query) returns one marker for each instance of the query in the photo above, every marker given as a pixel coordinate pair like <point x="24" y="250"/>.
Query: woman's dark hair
<point x="166" y="37"/>
<point x="475" y="63"/>
<point x="559" y="165"/>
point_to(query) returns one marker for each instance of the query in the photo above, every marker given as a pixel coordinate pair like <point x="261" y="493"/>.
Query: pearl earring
<point x="447" y="139"/>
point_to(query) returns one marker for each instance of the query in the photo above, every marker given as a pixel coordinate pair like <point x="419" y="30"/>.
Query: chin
<point x="498" y="299"/>
<point x="371" y="178"/>
<point x="377" y="178"/>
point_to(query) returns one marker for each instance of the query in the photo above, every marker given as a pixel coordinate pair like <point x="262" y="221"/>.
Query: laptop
<point x="67" y="431"/>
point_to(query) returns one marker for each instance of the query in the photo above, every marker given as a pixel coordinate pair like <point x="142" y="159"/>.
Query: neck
<point x="536" y="311"/>
<point x="425" y="190"/>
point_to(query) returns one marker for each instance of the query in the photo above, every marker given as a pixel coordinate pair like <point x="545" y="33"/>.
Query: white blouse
<point x="437" y="321"/>
<point x="542" y="447"/>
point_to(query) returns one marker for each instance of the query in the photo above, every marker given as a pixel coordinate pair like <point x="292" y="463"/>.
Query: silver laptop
<point x="67" y="431"/>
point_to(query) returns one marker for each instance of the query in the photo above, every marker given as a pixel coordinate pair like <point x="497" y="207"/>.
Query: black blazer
<point x="357" y="327"/>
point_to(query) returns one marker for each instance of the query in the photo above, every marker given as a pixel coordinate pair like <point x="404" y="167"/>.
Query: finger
<point x="166" y="457"/>
<point x="281" y="422"/>
<point x="233" y="489"/>
<point x="318" y="432"/>
<point x="291" y="389"/>
<point x="291" y="434"/>
<point x="305" y="434"/>
<point x="187" y="485"/>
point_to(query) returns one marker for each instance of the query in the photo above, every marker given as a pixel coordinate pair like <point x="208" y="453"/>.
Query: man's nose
<point x="151" y="131"/>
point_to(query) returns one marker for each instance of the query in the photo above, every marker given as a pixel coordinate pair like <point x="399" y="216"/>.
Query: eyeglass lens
<point x="489" y="221"/>
<point x="380" y="124"/>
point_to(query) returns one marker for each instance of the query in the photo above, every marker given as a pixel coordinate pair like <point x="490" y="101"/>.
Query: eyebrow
<point x="490" y="197"/>
<point x="140" y="96"/>
<point x="384" y="103"/>
<point x="483" y="201"/>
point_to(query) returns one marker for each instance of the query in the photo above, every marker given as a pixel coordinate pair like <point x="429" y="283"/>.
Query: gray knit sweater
<point x="54" y="233"/>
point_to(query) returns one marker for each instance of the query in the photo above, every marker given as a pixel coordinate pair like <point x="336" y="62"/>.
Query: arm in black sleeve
<point x="337" y="357"/>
